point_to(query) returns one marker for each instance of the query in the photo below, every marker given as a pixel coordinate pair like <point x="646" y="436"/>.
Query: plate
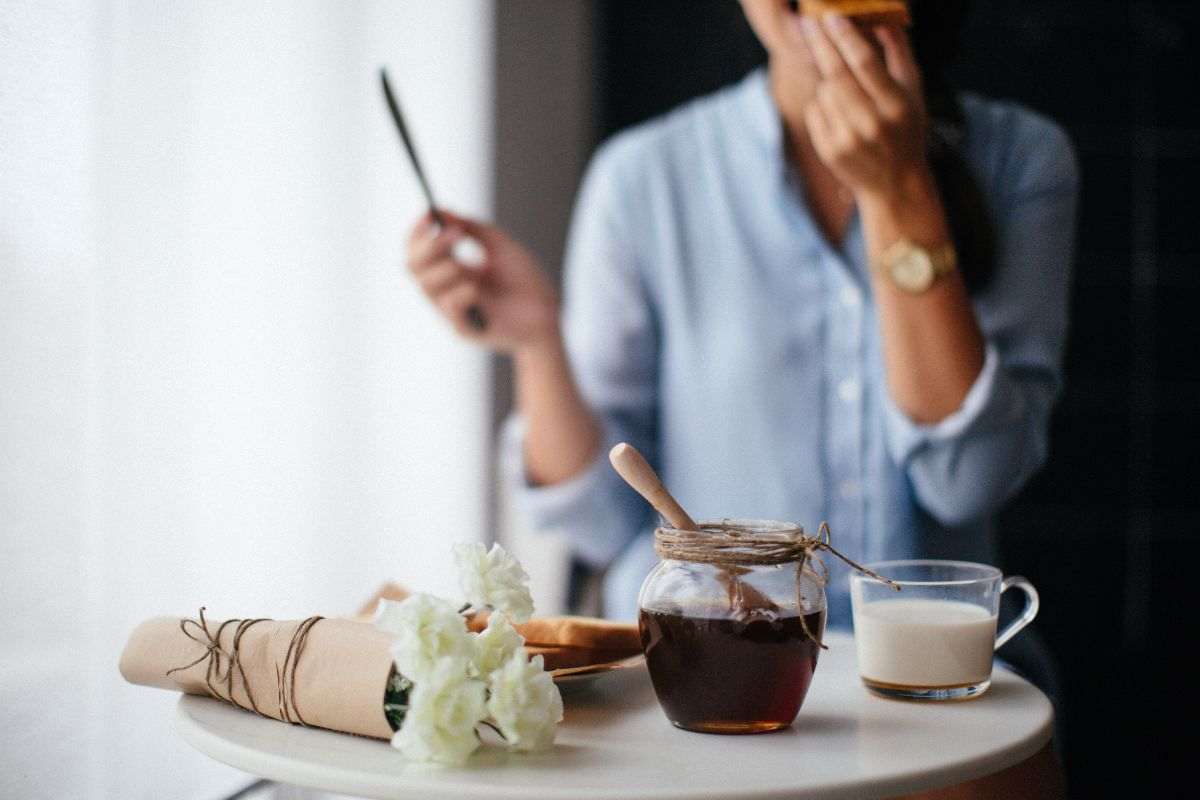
<point x="572" y="678"/>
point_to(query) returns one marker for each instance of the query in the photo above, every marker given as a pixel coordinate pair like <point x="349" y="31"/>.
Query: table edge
<point x="285" y="770"/>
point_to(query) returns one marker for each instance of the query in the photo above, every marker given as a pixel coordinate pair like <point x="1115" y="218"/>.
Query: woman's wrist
<point x="909" y="207"/>
<point x="912" y="192"/>
<point x="545" y="349"/>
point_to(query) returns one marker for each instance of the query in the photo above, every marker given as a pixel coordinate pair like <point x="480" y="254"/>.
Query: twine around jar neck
<point x="727" y="544"/>
<point x="731" y="547"/>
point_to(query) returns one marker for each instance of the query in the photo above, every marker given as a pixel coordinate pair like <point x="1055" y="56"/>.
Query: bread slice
<point x="563" y="641"/>
<point x="582" y="633"/>
<point x="870" y="12"/>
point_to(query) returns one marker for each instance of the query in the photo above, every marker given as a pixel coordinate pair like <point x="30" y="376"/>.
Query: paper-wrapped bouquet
<point x="425" y="672"/>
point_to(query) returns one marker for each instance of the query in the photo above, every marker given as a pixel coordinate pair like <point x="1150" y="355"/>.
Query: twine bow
<point x="285" y="674"/>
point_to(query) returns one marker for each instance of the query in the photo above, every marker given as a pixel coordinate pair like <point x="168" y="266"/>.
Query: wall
<point x="217" y="386"/>
<point x="1111" y="526"/>
<point x="544" y="135"/>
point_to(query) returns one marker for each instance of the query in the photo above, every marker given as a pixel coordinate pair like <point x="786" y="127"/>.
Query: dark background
<point x="1108" y="531"/>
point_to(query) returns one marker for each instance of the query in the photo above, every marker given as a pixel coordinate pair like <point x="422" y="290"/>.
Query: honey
<point x="717" y="673"/>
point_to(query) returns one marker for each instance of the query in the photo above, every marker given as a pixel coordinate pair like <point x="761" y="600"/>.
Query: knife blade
<point x="409" y="147"/>
<point x="475" y="315"/>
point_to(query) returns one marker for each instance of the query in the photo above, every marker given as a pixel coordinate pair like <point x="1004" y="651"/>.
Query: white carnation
<point x="427" y="629"/>
<point x="524" y="702"/>
<point x="444" y="708"/>
<point x="496" y="644"/>
<point x="493" y="578"/>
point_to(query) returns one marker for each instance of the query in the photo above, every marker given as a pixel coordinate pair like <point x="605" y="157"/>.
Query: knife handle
<point x="476" y="318"/>
<point x="474" y="314"/>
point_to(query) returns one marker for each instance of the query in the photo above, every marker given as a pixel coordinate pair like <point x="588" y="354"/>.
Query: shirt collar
<point x="763" y="121"/>
<point x="762" y="115"/>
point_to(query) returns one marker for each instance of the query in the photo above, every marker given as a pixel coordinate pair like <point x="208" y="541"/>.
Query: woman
<point x="829" y="292"/>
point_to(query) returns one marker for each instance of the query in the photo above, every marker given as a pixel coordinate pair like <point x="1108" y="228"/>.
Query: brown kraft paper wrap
<point x="327" y="673"/>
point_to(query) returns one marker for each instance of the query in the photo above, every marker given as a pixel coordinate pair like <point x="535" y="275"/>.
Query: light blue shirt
<point x="711" y="325"/>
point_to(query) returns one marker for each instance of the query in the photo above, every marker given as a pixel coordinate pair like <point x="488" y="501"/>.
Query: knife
<point x="475" y="316"/>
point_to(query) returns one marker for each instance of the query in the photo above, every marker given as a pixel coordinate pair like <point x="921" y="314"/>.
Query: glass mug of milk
<point x="934" y="639"/>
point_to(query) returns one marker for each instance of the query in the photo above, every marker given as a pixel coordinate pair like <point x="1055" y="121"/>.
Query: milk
<point x="924" y="643"/>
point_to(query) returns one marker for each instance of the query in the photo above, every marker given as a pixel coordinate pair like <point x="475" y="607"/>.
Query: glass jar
<point x="731" y="621"/>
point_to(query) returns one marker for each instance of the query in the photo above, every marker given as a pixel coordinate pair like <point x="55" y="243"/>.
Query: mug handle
<point x="1031" y="608"/>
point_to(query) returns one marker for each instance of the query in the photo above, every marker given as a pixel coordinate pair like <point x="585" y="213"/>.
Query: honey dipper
<point x="631" y="466"/>
<point x="634" y="469"/>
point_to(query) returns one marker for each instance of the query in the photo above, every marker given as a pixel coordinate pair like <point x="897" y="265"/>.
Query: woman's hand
<point x="867" y="120"/>
<point x="516" y="298"/>
<point x="521" y="308"/>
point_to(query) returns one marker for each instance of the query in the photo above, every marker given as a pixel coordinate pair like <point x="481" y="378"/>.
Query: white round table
<point x="616" y="743"/>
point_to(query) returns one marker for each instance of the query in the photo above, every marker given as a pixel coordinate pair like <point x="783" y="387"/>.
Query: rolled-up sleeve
<point x="611" y="342"/>
<point x="967" y="465"/>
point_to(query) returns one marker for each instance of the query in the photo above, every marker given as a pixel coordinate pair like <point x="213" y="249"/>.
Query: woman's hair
<point x="936" y="34"/>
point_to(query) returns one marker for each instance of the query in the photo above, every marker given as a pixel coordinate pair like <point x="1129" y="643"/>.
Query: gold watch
<point x="913" y="269"/>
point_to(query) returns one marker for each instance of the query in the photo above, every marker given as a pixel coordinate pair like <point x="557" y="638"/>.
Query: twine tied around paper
<point x="733" y="547"/>
<point x="285" y="674"/>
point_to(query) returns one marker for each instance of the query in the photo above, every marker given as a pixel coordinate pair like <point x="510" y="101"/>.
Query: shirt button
<point x="850" y="296"/>
<point x="849" y="489"/>
<point x="848" y="389"/>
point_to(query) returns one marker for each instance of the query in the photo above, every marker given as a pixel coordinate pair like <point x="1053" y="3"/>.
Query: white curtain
<point x="217" y="385"/>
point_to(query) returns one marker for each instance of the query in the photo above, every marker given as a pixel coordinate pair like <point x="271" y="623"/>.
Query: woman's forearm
<point x="561" y="435"/>
<point x="867" y="124"/>
<point x="932" y="345"/>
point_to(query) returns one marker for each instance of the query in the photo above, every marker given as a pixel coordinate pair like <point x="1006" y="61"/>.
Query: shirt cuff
<point x="905" y="436"/>
<point x="568" y="507"/>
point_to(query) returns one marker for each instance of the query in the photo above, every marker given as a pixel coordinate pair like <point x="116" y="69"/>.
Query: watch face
<point x="913" y="271"/>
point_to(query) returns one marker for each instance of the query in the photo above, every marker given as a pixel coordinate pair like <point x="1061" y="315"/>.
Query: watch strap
<point x="943" y="257"/>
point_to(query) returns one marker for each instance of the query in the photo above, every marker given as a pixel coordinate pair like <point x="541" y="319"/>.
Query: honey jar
<point x="731" y="621"/>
